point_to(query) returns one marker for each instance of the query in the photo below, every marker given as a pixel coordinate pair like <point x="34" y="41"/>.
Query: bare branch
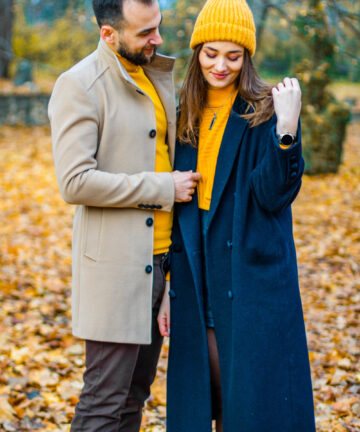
<point x="351" y="25"/>
<point x="281" y="11"/>
<point x="352" y="55"/>
<point x="342" y="11"/>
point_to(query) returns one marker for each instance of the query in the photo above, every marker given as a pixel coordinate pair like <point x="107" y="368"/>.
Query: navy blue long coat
<point x="254" y="293"/>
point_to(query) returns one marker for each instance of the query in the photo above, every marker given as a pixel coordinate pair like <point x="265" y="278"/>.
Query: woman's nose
<point x="220" y="65"/>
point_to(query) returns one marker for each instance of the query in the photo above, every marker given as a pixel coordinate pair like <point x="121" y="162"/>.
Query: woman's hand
<point x="164" y="313"/>
<point x="287" y="104"/>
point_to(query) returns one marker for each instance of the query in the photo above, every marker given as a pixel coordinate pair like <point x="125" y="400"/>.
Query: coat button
<point x="172" y="294"/>
<point x="293" y="158"/>
<point x="229" y="244"/>
<point x="148" y="269"/>
<point x="293" y="174"/>
<point x="230" y="295"/>
<point x="152" y="133"/>
<point x="149" y="222"/>
<point x="294" y="166"/>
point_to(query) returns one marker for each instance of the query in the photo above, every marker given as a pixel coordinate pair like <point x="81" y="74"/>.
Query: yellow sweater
<point x="220" y="101"/>
<point x="162" y="220"/>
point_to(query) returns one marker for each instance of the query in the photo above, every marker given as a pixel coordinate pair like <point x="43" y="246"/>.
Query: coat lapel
<point x="230" y="145"/>
<point x="164" y="86"/>
<point x="189" y="220"/>
<point x="188" y="213"/>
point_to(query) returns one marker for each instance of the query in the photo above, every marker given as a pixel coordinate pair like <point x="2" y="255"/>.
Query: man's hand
<point x="185" y="184"/>
<point x="287" y="105"/>
<point x="164" y="313"/>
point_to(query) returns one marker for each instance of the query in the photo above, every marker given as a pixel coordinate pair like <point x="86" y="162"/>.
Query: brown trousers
<point x="118" y="376"/>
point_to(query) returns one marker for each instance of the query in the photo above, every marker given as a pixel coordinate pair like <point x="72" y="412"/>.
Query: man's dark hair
<point x="111" y="11"/>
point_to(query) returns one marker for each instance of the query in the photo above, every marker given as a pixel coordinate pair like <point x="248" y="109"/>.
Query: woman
<point x="238" y="348"/>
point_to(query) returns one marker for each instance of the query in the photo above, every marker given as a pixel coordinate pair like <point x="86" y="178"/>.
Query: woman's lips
<point x="219" y="76"/>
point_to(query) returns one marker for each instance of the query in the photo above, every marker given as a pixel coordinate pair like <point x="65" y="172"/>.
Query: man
<point x="113" y="128"/>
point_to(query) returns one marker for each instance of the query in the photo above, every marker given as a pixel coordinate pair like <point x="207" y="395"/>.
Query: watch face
<point x="287" y="139"/>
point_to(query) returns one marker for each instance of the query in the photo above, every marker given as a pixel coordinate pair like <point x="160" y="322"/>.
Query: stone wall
<point x="29" y="109"/>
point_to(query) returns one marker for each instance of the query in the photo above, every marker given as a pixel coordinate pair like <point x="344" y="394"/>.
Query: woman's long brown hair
<point x="192" y="99"/>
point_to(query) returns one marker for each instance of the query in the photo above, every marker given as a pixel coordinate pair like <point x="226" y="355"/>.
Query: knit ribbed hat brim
<point x="225" y="20"/>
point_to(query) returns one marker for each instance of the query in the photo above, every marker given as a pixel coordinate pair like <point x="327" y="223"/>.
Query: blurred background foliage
<point x="316" y="40"/>
<point x="58" y="33"/>
<point x="55" y="34"/>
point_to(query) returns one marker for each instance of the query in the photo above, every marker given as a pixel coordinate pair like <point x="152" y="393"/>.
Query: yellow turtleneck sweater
<point x="162" y="220"/>
<point x="220" y="102"/>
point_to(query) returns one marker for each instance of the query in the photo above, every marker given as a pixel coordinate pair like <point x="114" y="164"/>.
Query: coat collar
<point x="159" y="71"/>
<point x="188" y="213"/>
<point x="186" y="159"/>
<point x="160" y="63"/>
<point x="229" y="148"/>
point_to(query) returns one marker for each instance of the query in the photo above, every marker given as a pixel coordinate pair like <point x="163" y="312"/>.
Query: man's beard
<point x="137" y="59"/>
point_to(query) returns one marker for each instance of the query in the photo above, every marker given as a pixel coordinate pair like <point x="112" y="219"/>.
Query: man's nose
<point x="156" y="39"/>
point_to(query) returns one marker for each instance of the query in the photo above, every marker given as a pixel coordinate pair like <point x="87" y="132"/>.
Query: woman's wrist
<point x="283" y="127"/>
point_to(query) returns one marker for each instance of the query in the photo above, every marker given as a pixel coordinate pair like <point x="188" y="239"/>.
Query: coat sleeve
<point x="276" y="180"/>
<point x="75" y="126"/>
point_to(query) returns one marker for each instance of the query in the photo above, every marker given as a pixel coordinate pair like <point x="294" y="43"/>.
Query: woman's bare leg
<point x="215" y="378"/>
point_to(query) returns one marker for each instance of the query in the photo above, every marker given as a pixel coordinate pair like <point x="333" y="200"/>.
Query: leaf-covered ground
<point x="41" y="364"/>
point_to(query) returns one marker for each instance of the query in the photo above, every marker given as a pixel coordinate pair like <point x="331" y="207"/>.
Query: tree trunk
<point x="324" y="118"/>
<point x="260" y="11"/>
<point x="6" y="18"/>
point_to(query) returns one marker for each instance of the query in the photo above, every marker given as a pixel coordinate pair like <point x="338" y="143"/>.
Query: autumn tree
<point x="6" y="17"/>
<point x="324" y="117"/>
<point x="176" y="29"/>
<point x="49" y="10"/>
<point x="325" y="29"/>
<point x="68" y="39"/>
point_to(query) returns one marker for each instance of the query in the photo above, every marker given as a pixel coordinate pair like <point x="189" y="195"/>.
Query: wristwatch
<point x="286" y="139"/>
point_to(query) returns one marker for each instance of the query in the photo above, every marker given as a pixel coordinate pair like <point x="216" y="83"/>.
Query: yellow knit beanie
<point x="225" y="20"/>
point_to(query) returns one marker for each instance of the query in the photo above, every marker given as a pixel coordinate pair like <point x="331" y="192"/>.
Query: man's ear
<point x="108" y="34"/>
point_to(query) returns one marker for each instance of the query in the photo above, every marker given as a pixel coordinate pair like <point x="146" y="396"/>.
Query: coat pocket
<point x="93" y="229"/>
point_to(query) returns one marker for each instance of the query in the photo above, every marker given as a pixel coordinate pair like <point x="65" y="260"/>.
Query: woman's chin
<point x="217" y="85"/>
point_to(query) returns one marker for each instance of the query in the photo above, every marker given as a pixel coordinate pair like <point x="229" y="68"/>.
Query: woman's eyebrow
<point x="210" y="48"/>
<point x="239" y="51"/>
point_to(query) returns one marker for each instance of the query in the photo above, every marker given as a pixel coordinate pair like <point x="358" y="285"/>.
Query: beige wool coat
<point x="103" y="128"/>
